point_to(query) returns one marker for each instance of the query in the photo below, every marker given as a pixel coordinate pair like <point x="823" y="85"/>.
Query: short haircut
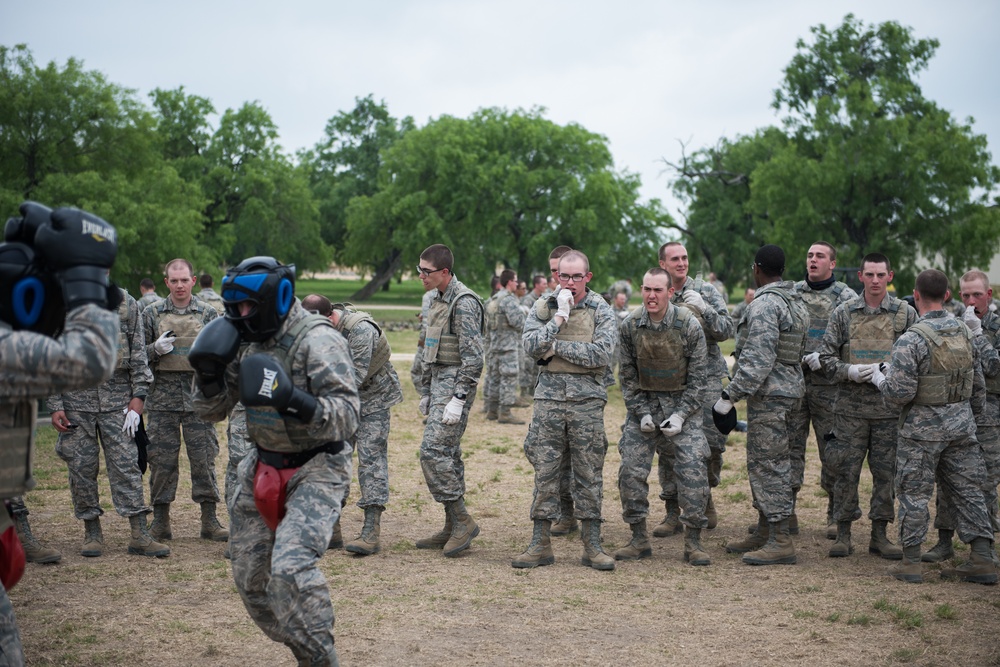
<point x="976" y="274"/>
<point x="205" y="280"/>
<point x="657" y="271"/>
<point x="506" y="276"/>
<point x="439" y="256"/>
<point x="771" y="260"/>
<point x="875" y="258"/>
<point x="319" y="303"/>
<point x="663" y="248"/>
<point x="147" y="284"/>
<point x="174" y="263"/>
<point x="559" y="251"/>
<point x="833" y="251"/>
<point x="576" y="254"/>
<point x="932" y="285"/>
<point x="539" y="278"/>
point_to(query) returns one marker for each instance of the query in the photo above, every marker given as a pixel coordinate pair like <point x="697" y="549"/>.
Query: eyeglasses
<point x="576" y="277"/>
<point x="426" y="272"/>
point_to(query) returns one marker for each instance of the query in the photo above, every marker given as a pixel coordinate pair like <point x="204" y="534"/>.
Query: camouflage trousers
<point x="276" y="572"/>
<point x="372" y="444"/>
<point x="441" y="453"/>
<point x="164" y="431"/>
<point x="716" y="446"/>
<point x="238" y="445"/>
<point x="501" y="373"/>
<point x="17" y="506"/>
<point x="989" y="442"/>
<point x="528" y="373"/>
<point x="857" y="437"/>
<point x="11" y="652"/>
<point x="959" y="467"/>
<point x="80" y="450"/>
<point x="562" y="431"/>
<point x="689" y="453"/>
<point x="769" y="461"/>
<point x="818" y="409"/>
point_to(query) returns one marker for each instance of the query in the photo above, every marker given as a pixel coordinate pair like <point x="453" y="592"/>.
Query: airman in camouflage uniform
<point x="741" y="307"/>
<point x="149" y="294"/>
<point x="109" y="412"/>
<point x="859" y="333"/>
<point x="934" y="376"/>
<point x="529" y="369"/>
<point x="769" y="376"/>
<point x="452" y="364"/>
<point x="169" y="405"/>
<point x="710" y="309"/>
<point x="504" y="322"/>
<point x="35" y="365"/>
<point x="663" y="376"/>
<point x="296" y="381"/>
<point x="821" y="294"/>
<point x="574" y="334"/>
<point x="209" y="295"/>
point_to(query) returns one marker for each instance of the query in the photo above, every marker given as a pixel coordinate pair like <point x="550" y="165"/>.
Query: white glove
<point x="672" y="426"/>
<point x="694" y="300"/>
<point x="425" y="405"/>
<point x="646" y="424"/>
<point x="972" y="321"/>
<point x="165" y="343"/>
<point x="565" y="301"/>
<point x="131" y="424"/>
<point x="861" y="373"/>
<point x="878" y="377"/>
<point x="453" y="411"/>
<point x="812" y="361"/>
<point x="551" y="352"/>
<point x="722" y="406"/>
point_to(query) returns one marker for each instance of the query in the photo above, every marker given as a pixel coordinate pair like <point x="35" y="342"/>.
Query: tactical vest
<point x="819" y="305"/>
<point x="186" y="328"/>
<point x="440" y="344"/>
<point x="266" y="427"/>
<point x="215" y="302"/>
<point x="871" y="336"/>
<point x="493" y="313"/>
<point x="791" y="343"/>
<point x="380" y="355"/>
<point x="579" y="327"/>
<point x="124" y="340"/>
<point x="660" y="357"/>
<point x="949" y="379"/>
<point x="991" y="327"/>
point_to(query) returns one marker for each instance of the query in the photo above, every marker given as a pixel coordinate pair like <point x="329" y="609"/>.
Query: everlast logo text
<point x="269" y="383"/>
<point x="97" y="230"/>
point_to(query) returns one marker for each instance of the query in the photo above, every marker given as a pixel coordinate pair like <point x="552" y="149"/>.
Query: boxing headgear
<point x="30" y="298"/>
<point x="270" y="288"/>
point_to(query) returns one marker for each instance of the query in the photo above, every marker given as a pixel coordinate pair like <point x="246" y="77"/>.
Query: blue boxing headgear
<point x="269" y="286"/>
<point x="30" y="298"/>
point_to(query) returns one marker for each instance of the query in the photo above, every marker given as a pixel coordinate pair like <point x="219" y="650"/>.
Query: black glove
<point x="33" y="216"/>
<point x="263" y="381"/>
<point x="81" y="249"/>
<point x="212" y="351"/>
<point x="724" y="421"/>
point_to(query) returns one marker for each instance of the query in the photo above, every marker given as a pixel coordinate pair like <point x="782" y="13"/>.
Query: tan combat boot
<point x="979" y="569"/>
<point x="142" y="543"/>
<point x="910" y="569"/>
<point x="463" y="528"/>
<point x="638" y="547"/>
<point x="710" y="513"/>
<point x="34" y="551"/>
<point x="438" y="539"/>
<point x="367" y="543"/>
<point x="159" y="529"/>
<point x="492" y="408"/>
<point x="881" y="545"/>
<point x="539" y="551"/>
<point x="694" y="553"/>
<point x="524" y="400"/>
<point x="93" y="538"/>
<point x="671" y="524"/>
<point x="593" y="554"/>
<point x="842" y="547"/>
<point x="507" y="417"/>
<point x="941" y="551"/>
<point x="779" y="549"/>
<point x="756" y="539"/>
<point x="337" y="538"/>
<point x="566" y="523"/>
<point x="211" y="529"/>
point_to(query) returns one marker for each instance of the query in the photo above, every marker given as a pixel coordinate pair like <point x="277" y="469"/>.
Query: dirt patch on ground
<point x="410" y="607"/>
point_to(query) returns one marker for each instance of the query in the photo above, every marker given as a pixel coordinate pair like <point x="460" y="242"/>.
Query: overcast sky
<point x="643" y="73"/>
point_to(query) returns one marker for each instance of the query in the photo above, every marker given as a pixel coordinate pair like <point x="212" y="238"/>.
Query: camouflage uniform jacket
<point x="212" y="298"/>
<point x="147" y="299"/>
<point x="989" y="359"/>
<point x="321" y="367"/>
<point x="540" y="336"/>
<point x="131" y="379"/>
<point x="910" y="359"/>
<point x="830" y="298"/>
<point x="760" y="373"/>
<point x="467" y="324"/>
<point x="506" y="335"/>
<point x="661" y="405"/>
<point x="528" y="300"/>
<point x="382" y="391"/>
<point x="719" y="324"/>
<point x="171" y="391"/>
<point x="861" y="399"/>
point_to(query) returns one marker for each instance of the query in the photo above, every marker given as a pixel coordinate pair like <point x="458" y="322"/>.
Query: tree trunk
<point x="383" y="274"/>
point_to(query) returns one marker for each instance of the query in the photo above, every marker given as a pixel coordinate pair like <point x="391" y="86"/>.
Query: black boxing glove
<point x="81" y="248"/>
<point x="263" y="381"/>
<point x="33" y="216"/>
<point x="212" y="351"/>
